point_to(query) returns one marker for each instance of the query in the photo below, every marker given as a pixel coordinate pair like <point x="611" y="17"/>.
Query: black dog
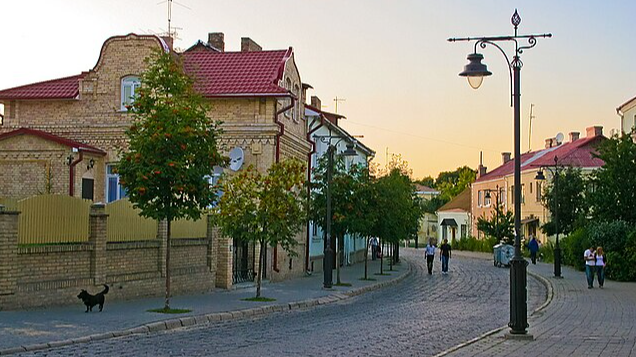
<point x="92" y="300"/>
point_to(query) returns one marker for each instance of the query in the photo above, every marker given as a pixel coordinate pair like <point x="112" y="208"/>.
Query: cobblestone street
<point x="421" y="316"/>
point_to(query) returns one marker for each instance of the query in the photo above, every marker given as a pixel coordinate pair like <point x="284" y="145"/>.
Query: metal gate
<point x="242" y="262"/>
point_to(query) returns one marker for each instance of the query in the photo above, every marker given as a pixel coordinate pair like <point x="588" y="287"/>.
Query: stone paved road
<point x="577" y="322"/>
<point x="423" y="315"/>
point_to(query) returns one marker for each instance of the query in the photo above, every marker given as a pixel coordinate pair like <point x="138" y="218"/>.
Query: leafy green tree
<point x="428" y="181"/>
<point x="452" y="183"/>
<point x="432" y="205"/>
<point x="500" y="225"/>
<point x="569" y="201"/>
<point x="613" y="186"/>
<point x="265" y="209"/>
<point x="172" y="148"/>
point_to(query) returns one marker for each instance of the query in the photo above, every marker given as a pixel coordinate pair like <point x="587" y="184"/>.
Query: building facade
<point x="65" y="136"/>
<point x="322" y="131"/>
<point x="454" y="218"/>
<point x="577" y="152"/>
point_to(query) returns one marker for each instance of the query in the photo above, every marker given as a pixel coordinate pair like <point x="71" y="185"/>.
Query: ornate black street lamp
<point x="475" y="71"/>
<point x="557" y="249"/>
<point x="328" y="262"/>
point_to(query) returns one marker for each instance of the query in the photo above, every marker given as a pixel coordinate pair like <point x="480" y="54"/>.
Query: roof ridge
<point x="81" y="75"/>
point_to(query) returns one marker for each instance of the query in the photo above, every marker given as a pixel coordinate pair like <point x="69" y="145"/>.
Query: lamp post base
<point x="327" y="267"/>
<point x="518" y="305"/>
<point x="557" y="262"/>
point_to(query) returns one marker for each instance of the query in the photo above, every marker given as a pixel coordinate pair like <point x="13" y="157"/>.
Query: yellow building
<point x="498" y="184"/>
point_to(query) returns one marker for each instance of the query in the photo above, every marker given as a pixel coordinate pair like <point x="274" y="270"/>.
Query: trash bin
<point x="502" y="254"/>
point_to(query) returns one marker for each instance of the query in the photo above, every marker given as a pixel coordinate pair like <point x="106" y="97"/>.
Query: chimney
<point x="548" y="142"/>
<point x="505" y="157"/>
<point x="169" y="41"/>
<point x="481" y="170"/>
<point x="217" y="40"/>
<point x="315" y="102"/>
<point x="594" y="131"/>
<point x="575" y="135"/>
<point x="248" y="45"/>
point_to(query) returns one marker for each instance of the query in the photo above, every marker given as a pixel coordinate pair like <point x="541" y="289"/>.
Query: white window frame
<point x="133" y="83"/>
<point x="119" y="191"/>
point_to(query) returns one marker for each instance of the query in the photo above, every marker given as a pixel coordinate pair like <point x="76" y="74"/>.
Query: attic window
<point x="129" y="87"/>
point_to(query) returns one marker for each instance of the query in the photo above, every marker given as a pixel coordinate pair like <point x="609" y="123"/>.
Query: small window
<point x="480" y="198"/>
<point x="464" y="231"/>
<point x="114" y="191"/>
<point x="314" y="229"/>
<point x="530" y="187"/>
<point x="1" y="114"/>
<point x="129" y="87"/>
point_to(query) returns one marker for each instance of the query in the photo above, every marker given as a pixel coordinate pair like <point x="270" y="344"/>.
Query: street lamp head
<point x="540" y="175"/>
<point x="487" y="194"/>
<point x="475" y="71"/>
<point x="349" y="151"/>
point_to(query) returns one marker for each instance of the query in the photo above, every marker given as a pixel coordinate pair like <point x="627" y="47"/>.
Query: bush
<point x="475" y="245"/>
<point x="573" y="246"/>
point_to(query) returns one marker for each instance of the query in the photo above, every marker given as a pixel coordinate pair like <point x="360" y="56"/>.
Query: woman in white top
<point x="600" y="266"/>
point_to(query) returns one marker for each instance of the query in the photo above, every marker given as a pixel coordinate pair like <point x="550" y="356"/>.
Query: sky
<point x="389" y="60"/>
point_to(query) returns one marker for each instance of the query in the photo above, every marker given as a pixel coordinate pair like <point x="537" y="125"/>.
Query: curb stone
<point x="170" y="324"/>
<point x="548" y="300"/>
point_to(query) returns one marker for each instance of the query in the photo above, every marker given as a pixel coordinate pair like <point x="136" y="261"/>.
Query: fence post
<point x="162" y="236"/>
<point x="212" y="235"/>
<point x="97" y="237"/>
<point x="8" y="251"/>
<point x="224" y="260"/>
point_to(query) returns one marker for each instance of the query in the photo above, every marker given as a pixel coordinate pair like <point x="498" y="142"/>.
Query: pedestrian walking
<point x="445" y="255"/>
<point x="374" y="247"/>
<point x="590" y="266"/>
<point x="533" y="246"/>
<point x="600" y="266"/>
<point x="430" y="256"/>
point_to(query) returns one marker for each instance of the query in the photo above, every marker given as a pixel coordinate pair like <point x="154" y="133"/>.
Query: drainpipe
<point x="278" y="136"/>
<point x="71" y="173"/>
<point x="313" y="150"/>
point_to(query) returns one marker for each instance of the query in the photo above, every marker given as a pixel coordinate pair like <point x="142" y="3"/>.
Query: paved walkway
<point x="577" y="321"/>
<point x="43" y="328"/>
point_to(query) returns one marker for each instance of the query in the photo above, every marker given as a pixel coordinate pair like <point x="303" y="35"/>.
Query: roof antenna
<point x="338" y="100"/>
<point x="172" y="30"/>
<point x="530" y="128"/>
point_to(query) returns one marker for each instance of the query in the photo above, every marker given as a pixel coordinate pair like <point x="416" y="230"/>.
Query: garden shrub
<point x="475" y="245"/>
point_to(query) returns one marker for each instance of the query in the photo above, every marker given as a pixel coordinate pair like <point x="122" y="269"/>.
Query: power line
<point x="423" y="137"/>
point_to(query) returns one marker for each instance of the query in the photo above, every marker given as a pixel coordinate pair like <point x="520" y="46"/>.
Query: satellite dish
<point x="559" y="138"/>
<point x="236" y="158"/>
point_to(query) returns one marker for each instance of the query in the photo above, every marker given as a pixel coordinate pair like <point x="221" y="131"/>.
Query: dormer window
<point x="129" y="87"/>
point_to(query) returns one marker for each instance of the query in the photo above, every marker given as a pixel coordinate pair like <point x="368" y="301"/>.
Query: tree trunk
<point x="259" y="273"/>
<point x="166" y="306"/>
<point x="391" y="256"/>
<point x="397" y="253"/>
<point x="381" y="246"/>
<point x="337" y="260"/>
<point x="366" y="258"/>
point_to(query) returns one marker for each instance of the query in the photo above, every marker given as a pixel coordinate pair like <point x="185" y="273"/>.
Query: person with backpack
<point x="430" y="256"/>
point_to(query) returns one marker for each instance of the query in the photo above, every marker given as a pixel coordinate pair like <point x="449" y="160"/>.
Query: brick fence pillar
<point x="224" y="262"/>
<point x="162" y="236"/>
<point x="8" y="251"/>
<point x="97" y="238"/>
<point x="212" y="235"/>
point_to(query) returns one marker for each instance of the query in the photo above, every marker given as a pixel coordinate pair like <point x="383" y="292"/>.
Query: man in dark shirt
<point x="444" y="255"/>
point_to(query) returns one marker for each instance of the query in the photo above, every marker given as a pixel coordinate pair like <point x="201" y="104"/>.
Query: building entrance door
<point x="242" y="262"/>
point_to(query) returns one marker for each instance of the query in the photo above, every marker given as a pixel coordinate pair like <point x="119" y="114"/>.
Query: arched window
<point x="129" y="87"/>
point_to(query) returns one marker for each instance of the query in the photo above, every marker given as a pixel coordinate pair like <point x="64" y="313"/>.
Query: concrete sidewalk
<point x="44" y="328"/>
<point x="576" y="321"/>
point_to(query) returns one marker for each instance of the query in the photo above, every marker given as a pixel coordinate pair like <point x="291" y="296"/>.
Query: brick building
<point x="64" y="136"/>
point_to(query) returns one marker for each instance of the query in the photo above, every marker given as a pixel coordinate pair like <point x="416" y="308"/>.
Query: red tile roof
<point x="61" y="88"/>
<point x="578" y="153"/>
<point x="237" y="73"/>
<point x="54" y="138"/>
<point x="217" y="74"/>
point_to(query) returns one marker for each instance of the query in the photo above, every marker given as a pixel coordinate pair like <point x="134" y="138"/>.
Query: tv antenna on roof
<point x="171" y="30"/>
<point x="530" y="128"/>
<point x="338" y="100"/>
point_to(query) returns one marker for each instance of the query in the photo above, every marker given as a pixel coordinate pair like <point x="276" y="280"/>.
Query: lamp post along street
<point x="328" y="259"/>
<point x="475" y="71"/>
<point x="557" y="247"/>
